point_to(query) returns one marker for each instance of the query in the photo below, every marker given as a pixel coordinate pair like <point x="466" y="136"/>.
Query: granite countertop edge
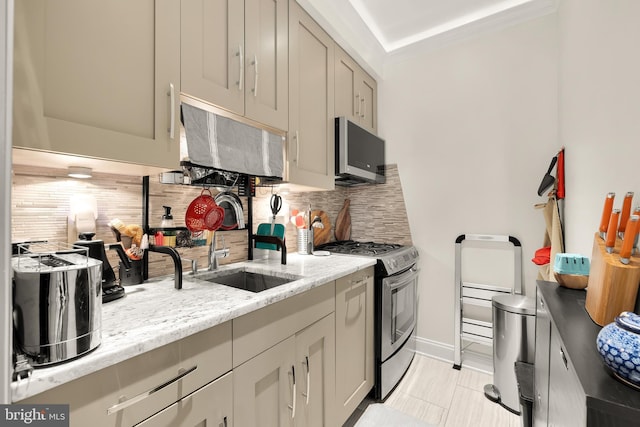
<point x="154" y="314"/>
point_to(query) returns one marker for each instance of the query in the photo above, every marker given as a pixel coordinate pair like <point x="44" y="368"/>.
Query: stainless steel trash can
<point x="514" y="326"/>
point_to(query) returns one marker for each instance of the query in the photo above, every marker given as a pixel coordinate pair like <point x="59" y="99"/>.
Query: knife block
<point x="612" y="286"/>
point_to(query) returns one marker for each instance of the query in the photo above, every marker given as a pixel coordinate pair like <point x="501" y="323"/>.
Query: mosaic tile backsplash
<point x="41" y="200"/>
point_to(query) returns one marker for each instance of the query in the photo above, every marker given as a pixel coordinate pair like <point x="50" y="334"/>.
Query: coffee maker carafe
<point x="111" y="289"/>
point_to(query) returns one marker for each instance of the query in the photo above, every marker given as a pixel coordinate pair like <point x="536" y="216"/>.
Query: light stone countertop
<point x="154" y="313"/>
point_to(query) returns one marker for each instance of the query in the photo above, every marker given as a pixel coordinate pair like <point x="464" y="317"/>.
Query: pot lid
<point x="629" y="321"/>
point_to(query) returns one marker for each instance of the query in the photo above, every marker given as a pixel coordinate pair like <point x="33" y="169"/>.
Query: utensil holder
<point x="305" y="241"/>
<point x="613" y="286"/>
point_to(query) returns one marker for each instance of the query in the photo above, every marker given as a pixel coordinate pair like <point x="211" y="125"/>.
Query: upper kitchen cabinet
<point x="311" y="102"/>
<point x="234" y="55"/>
<point x="98" y="79"/>
<point x="355" y="92"/>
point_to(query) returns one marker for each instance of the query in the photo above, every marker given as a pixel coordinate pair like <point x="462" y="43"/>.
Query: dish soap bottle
<point x="169" y="237"/>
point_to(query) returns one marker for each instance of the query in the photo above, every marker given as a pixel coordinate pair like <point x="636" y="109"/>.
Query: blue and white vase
<point x="619" y="345"/>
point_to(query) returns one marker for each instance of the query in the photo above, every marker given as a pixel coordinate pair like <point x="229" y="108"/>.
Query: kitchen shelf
<point x="472" y="329"/>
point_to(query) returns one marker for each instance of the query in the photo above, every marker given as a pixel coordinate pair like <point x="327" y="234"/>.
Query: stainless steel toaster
<point x="57" y="302"/>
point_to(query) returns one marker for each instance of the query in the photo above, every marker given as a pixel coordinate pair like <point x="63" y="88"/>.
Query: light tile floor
<point x="436" y="393"/>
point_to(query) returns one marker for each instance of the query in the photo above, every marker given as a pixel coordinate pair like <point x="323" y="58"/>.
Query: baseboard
<point x="441" y="351"/>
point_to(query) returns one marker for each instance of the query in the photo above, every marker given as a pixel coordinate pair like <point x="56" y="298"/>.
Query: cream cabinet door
<point x="368" y="91"/>
<point x="311" y="102"/>
<point x="267" y="52"/>
<point x="315" y="374"/>
<point x="355" y="92"/>
<point x="346" y="91"/>
<point x="212" y="52"/>
<point x="210" y="406"/>
<point x="99" y="79"/>
<point x="354" y="341"/>
<point x="263" y="388"/>
<point x="235" y="54"/>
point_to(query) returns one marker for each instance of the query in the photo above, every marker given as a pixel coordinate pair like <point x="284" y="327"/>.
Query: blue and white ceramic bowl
<point x="619" y="345"/>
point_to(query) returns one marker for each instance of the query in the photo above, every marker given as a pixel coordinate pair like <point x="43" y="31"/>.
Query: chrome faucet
<point x="215" y="253"/>
<point x="194" y="265"/>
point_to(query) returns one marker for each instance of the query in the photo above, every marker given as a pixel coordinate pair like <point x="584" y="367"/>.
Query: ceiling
<point x="381" y="31"/>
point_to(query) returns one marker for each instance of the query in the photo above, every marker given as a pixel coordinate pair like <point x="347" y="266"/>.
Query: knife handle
<point x="626" y="211"/>
<point x="612" y="231"/>
<point x="606" y="213"/>
<point x="629" y="237"/>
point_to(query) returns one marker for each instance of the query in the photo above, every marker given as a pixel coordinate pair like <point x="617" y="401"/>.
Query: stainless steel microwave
<point x="360" y="155"/>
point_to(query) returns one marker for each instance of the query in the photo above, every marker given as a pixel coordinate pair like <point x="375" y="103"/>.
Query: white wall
<point x="599" y="109"/>
<point x="472" y="128"/>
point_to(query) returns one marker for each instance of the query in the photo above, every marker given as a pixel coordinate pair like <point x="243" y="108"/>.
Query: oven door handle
<point x="394" y="282"/>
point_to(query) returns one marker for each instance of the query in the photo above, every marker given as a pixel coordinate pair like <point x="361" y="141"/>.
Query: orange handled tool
<point x="606" y="214"/>
<point x="629" y="237"/>
<point x="612" y="231"/>
<point x="626" y="212"/>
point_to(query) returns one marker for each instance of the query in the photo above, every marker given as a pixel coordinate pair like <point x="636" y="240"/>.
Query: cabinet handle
<point x="172" y="109"/>
<point x="364" y="107"/>
<point x="297" y="147"/>
<point x="293" y="398"/>
<point x="240" y="54"/>
<point x="360" y="281"/>
<point x="122" y="405"/>
<point x="255" y="79"/>
<point x="357" y="106"/>
<point x="564" y="358"/>
<point x="305" y="362"/>
<point x="224" y="422"/>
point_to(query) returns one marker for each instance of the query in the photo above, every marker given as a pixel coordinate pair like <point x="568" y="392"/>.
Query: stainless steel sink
<point x="248" y="281"/>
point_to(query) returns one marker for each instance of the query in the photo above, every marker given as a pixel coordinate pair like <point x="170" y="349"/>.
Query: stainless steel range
<point x="396" y="282"/>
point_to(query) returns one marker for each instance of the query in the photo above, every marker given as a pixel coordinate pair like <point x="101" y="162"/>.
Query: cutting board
<point x="321" y="235"/>
<point x="343" y="222"/>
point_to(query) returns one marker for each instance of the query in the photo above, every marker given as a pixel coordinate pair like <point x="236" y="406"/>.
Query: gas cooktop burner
<point x="359" y="248"/>
<point x="392" y="258"/>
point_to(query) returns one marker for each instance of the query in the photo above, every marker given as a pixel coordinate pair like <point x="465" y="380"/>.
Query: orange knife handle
<point x="612" y="231"/>
<point x="626" y="211"/>
<point x="606" y="213"/>
<point x="629" y="237"/>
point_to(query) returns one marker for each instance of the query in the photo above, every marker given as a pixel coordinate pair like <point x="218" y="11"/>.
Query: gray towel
<point x="222" y="143"/>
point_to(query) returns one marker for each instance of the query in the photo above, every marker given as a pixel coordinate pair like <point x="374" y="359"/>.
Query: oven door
<point x="399" y="310"/>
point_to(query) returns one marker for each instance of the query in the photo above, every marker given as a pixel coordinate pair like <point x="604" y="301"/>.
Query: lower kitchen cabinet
<point x="212" y="405"/>
<point x="263" y="389"/>
<point x="111" y="396"/>
<point x="290" y="384"/>
<point x="572" y="386"/>
<point x="541" y="375"/>
<point x="316" y="374"/>
<point x="301" y="362"/>
<point x="354" y="341"/>
<point x="291" y="342"/>
<point x="567" y="401"/>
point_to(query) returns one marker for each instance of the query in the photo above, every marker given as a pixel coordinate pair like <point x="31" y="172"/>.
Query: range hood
<point x="219" y="144"/>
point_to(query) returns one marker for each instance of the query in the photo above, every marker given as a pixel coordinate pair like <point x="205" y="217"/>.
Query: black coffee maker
<point x="111" y="289"/>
